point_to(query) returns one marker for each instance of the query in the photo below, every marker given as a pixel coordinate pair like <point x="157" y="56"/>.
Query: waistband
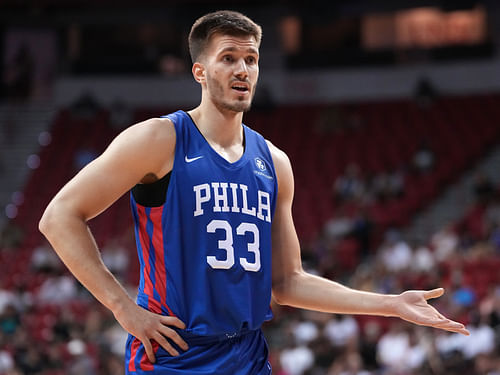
<point x="192" y="339"/>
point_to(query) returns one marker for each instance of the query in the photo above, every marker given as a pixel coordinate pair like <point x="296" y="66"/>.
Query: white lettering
<point x="264" y="196"/>
<point x="220" y="197"/>
<point x="216" y="195"/>
<point x="245" y="209"/>
<point x="199" y="198"/>
<point x="234" y="189"/>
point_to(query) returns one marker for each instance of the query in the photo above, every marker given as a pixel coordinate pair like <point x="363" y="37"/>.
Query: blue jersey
<point x="205" y="254"/>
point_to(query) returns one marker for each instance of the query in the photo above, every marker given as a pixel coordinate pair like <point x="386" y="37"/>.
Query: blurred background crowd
<point x="388" y="110"/>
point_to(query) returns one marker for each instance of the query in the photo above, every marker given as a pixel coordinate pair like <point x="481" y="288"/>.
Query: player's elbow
<point x="279" y="296"/>
<point x="46" y="222"/>
<point x="283" y="289"/>
<point x="283" y="295"/>
<point x="51" y="219"/>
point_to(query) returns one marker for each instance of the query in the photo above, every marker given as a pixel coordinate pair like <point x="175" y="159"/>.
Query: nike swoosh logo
<point x="190" y="160"/>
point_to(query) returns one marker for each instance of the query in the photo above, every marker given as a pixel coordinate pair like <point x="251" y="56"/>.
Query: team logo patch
<point x="260" y="164"/>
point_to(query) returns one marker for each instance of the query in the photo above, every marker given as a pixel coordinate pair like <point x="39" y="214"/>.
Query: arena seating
<point x="386" y="135"/>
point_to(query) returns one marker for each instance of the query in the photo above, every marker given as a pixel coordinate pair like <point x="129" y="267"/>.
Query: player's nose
<point x="241" y="69"/>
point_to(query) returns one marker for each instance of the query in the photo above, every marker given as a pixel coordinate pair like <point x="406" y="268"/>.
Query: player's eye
<point x="227" y="58"/>
<point x="251" y="60"/>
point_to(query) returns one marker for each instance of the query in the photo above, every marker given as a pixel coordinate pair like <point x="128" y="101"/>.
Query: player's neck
<point x="220" y="127"/>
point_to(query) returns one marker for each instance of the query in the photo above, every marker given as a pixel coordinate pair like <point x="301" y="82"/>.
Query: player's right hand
<point x="146" y="326"/>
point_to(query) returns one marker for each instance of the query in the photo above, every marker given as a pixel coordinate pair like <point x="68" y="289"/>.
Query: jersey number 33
<point x="226" y="245"/>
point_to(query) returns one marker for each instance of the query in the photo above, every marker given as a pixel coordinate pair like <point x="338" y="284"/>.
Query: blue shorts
<point x="245" y="354"/>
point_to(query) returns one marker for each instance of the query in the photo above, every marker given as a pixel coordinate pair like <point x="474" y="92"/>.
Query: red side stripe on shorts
<point x="133" y="352"/>
<point x="145" y="365"/>
<point x="160" y="272"/>
<point x="144" y="239"/>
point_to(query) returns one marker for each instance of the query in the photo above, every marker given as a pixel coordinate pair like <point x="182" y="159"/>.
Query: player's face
<point x="232" y="71"/>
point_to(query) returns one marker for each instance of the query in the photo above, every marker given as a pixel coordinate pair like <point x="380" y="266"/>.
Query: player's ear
<point x="198" y="71"/>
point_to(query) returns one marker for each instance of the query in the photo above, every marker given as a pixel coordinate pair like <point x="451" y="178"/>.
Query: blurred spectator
<point x="397" y="182"/>
<point x="492" y="214"/>
<point x="417" y="353"/>
<point x="6" y="362"/>
<point x="395" y="253"/>
<point x="338" y="226"/>
<point x="350" y="185"/>
<point x="55" y="357"/>
<point x="45" y="260"/>
<point x="11" y="236"/>
<point x="9" y="320"/>
<point x="449" y="343"/>
<point x="84" y="155"/>
<point x="380" y="186"/>
<point x="115" y="338"/>
<point x="490" y="307"/>
<point x="362" y="230"/>
<point x="94" y="326"/>
<point x="481" y="339"/>
<point x="24" y="297"/>
<point x="424" y="158"/>
<point x="18" y="75"/>
<point x="350" y="363"/>
<point x="171" y="65"/>
<point x="120" y="115"/>
<point x="423" y="260"/>
<point x="484" y="189"/>
<point x="111" y="363"/>
<point x="388" y="185"/>
<point x="58" y="289"/>
<point x="275" y="361"/>
<point x="341" y="329"/>
<point x="8" y="298"/>
<point x="323" y="355"/>
<point x="487" y="364"/>
<point x="31" y="361"/>
<point x="425" y="93"/>
<point x="64" y="326"/>
<point x="368" y="344"/>
<point x="305" y="331"/>
<point x="330" y="120"/>
<point x="393" y="347"/>
<point x="115" y="257"/>
<point x="495" y="238"/>
<point x="444" y="242"/>
<point x="296" y="360"/>
<point x="463" y="296"/>
<point x="85" y="107"/>
<point x="80" y="363"/>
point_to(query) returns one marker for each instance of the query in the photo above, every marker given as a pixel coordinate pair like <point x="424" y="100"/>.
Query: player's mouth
<point x="241" y="88"/>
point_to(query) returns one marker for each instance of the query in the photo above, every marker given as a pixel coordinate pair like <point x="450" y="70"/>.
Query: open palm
<point x="413" y="307"/>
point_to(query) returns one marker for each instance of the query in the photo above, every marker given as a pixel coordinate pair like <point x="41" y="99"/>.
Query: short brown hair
<point x="223" y="22"/>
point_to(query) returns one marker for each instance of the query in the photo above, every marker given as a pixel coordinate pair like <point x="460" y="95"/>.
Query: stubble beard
<point x="217" y="96"/>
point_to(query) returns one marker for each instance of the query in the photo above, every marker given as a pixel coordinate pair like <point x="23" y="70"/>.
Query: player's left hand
<point x="412" y="306"/>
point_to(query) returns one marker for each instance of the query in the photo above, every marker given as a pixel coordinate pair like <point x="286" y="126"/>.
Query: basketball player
<point x="210" y="199"/>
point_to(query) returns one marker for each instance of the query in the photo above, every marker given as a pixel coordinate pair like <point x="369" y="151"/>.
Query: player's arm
<point x="143" y="151"/>
<point x="295" y="287"/>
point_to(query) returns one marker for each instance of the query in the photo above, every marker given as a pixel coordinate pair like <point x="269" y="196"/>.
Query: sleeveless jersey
<point x="205" y="254"/>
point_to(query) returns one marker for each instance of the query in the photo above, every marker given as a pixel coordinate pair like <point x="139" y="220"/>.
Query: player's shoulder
<point x="153" y="131"/>
<point x="283" y="170"/>
<point x="150" y="139"/>
<point x="156" y="126"/>
<point x="280" y="158"/>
